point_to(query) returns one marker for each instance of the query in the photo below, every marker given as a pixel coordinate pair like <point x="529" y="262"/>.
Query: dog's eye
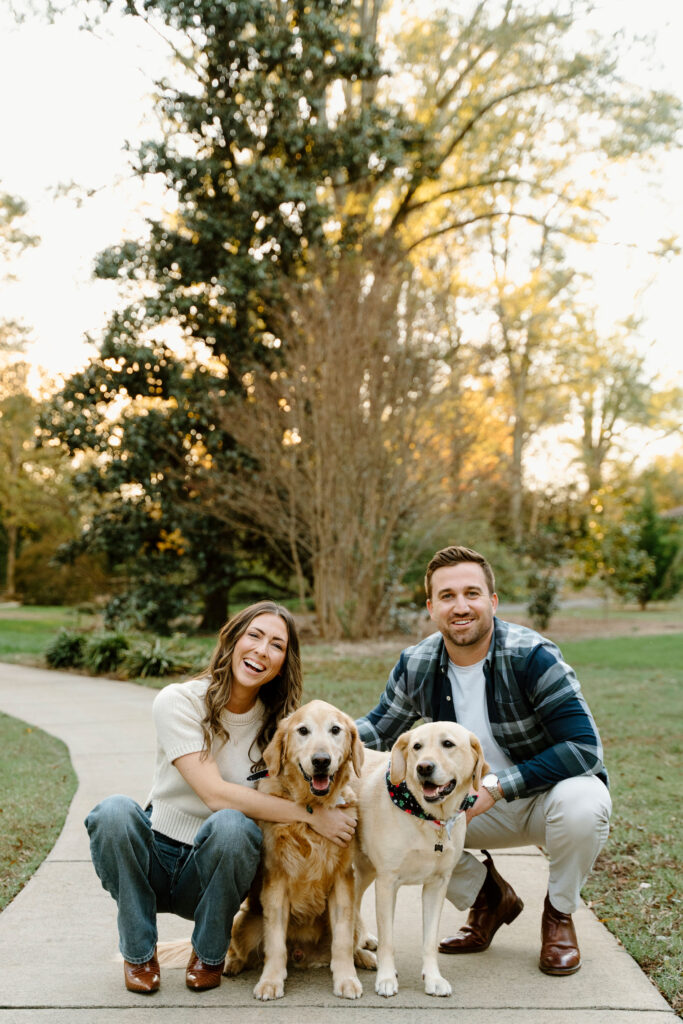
<point x="417" y="746"/>
<point x="303" y="730"/>
<point x="335" y="730"/>
<point x="448" y="743"/>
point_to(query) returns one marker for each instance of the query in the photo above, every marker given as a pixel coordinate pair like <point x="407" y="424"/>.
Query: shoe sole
<point x="512" y="915"/>
<point x="559" y="972"/>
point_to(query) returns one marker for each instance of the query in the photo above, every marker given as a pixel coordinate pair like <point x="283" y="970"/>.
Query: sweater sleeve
<point x="177" y="718"/>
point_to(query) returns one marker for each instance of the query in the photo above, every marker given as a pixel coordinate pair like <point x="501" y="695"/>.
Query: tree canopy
<point x="299" y="139"/>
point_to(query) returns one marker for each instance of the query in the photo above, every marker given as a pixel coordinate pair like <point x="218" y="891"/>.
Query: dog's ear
<point x="274" y="753"/>
<point x="397" y="771"/>
<point x="480" y="765"/>
<point x="357" y="749"/>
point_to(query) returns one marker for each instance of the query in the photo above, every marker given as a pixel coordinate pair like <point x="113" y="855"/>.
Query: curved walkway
<point x="58" y="948"/>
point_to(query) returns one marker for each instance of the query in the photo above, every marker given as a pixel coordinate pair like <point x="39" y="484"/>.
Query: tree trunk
<point x="10" y="575"/>
<point x="215" y="612"/>
<point x="517" y="482"/>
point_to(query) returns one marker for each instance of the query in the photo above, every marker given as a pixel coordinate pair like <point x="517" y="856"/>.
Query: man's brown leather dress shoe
<point x="200" y="976"/>
<point x="559" y="948"/>
<point x="144" y="978"/>
<point x="497" y="903"/>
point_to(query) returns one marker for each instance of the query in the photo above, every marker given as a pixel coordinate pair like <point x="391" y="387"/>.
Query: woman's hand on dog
<point x="333" y="823"/>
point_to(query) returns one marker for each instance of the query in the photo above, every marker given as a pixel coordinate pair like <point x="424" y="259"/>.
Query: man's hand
<point x="484" y="803"/>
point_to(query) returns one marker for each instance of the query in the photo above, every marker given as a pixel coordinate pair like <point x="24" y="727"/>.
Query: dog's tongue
<point x="429" y="789"/>
<point x="321" y="783"/>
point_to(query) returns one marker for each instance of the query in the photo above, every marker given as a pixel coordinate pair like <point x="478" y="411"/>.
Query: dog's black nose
<point x="425" y="769"/>
<point x="320" y="762"/>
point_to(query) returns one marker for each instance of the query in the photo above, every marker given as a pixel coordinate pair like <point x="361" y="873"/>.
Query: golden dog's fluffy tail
<point x="175" y="953"/>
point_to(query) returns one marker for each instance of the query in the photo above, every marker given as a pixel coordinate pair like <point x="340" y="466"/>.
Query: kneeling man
<point x="547" y="787"/>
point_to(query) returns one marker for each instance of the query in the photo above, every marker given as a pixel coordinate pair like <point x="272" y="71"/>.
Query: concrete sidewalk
<point x="58" y="941"/>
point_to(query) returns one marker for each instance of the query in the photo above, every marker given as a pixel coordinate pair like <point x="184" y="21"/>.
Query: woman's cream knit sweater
<point x="178" y="711"/>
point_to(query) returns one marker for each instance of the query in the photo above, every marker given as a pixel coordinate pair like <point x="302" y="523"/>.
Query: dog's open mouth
<point x="433" y="793"/>
<point x="319" y="783"/>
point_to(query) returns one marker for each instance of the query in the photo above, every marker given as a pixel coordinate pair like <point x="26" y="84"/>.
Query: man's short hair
<point x="454" y="555"/>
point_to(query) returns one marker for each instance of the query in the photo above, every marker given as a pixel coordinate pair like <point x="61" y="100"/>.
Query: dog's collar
<point x="405" y="801"/>
<point x="261" y="774"/>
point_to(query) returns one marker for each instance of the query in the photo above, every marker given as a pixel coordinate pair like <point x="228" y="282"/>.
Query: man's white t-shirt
<point x="468" y="686"/>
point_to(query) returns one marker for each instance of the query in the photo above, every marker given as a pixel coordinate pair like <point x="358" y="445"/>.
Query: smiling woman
<point x="194" y="849"/>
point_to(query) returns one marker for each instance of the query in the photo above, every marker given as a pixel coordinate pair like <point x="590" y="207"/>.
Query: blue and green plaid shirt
<point x="537" y="712"/>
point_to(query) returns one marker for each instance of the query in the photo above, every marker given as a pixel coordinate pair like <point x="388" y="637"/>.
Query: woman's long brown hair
<point x="279" y="696"/>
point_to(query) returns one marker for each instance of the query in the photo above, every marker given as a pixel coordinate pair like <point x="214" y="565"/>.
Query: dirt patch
<point x="610" y="625"/>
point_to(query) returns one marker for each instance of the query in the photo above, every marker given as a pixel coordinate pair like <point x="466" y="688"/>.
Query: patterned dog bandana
<point x="404" y="799"/>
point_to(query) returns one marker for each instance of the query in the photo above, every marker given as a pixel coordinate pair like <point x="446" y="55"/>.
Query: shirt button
<point x="448" y="698"/>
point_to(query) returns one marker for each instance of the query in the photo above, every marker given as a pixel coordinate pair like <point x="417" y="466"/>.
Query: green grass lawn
<point x="37" y="784"/>
<point x="26" y="631"/>
<point x="634" y="685"/>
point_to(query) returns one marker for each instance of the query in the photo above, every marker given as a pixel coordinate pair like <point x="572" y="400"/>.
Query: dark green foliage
<point x="156" y="658"/>
<point x="637" y="552"/>
<point x="148" y="606"/>
<point x="544" y="551"/>
<point x="66" y="650"/>
<point x="543" y="590"/>
<point x="104" y="652"/>
<point x="660" y="540"/>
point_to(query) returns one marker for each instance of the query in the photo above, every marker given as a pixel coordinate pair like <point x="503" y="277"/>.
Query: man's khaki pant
<point x="571" y="823"/>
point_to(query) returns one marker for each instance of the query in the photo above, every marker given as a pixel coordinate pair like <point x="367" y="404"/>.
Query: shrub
<point x="148" y="606"/>
<point x="543" y="602"/>
<point x="104" y="652"/>
<point x="156" y="658"/>
<point x="65" y="650"/>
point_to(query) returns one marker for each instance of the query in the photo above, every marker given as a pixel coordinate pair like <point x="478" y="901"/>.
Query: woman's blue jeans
<point x="147" y="873"/>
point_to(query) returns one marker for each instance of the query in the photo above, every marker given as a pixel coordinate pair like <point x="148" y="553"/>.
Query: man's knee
<point x="580" y="807"/>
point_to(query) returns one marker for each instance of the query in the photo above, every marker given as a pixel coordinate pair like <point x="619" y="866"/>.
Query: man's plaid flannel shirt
<point x="538" y="714"/>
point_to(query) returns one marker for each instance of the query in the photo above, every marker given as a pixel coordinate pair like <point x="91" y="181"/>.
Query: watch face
<point x="490" y="780"/>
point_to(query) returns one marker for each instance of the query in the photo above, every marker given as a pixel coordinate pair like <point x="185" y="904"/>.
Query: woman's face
<point x="258" y="656"/>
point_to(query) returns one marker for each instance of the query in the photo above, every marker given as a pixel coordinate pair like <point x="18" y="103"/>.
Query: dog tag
<point x="438" y="847"/>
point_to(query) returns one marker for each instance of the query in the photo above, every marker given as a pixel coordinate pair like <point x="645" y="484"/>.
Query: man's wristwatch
<point x="490" y="783"/>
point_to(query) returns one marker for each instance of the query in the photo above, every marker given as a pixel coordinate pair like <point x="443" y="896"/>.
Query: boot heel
<point x="514" y="912"/>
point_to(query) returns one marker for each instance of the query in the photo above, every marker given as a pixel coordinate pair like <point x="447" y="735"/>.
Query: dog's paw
<point x="270" y="988"/>
<point x="366" y="959"/>
<point x="233" y="965"/>
<point x="435" y="985"/>
<point x="386" y="985"/>
<point x="348" y="988"/>
<point x="369" y="941"/>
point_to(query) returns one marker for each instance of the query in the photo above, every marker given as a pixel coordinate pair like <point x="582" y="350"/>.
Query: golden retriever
<point x="302" y="906"/>
<point x="439" y="763"/>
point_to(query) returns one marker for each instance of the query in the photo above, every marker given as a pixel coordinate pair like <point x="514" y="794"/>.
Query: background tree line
<point x="368" y="303"/>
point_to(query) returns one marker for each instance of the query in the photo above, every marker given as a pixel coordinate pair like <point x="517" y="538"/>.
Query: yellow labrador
<point x="411" y="831"/>
<point x="304" y="909"/>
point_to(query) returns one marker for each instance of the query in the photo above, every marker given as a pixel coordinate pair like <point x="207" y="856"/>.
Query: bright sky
<point x="71" y="100"/>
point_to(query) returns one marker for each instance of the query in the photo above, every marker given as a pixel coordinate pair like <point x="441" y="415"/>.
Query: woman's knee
<point x="114" y="815"/>
<point x="233" y="832"/>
